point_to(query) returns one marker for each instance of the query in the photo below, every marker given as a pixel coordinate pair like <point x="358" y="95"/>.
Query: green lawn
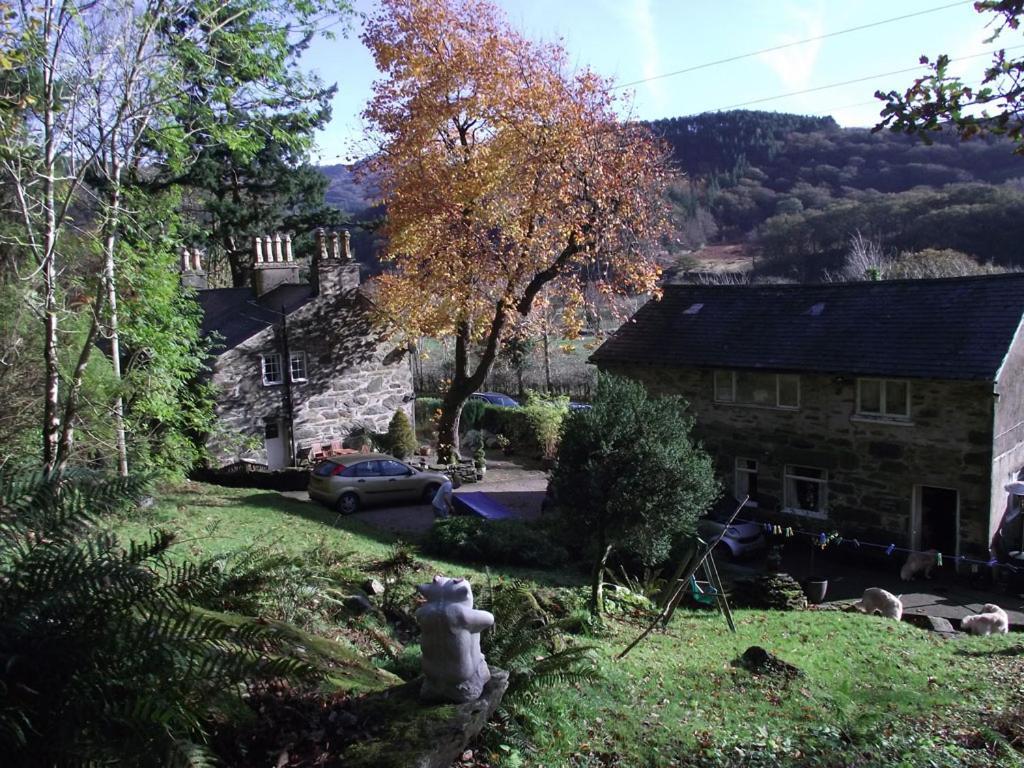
<point x="873" y="692"/>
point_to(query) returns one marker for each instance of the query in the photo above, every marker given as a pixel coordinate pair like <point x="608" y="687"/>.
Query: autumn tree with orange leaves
<point x="504" y="172"/>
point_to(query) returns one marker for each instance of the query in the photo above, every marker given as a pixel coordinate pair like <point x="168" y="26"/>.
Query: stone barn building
<point x="891" y="409"/>
<point x="298" y="365"/>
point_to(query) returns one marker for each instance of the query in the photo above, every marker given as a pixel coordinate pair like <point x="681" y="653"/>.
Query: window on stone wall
<point x="806" y="491"/>
<point x="883" y="398"/>
<point x="298" y="366"/>
<point x="767" y="390"/>
<point x="746" y="481"/>
<point x="271" y="369"/>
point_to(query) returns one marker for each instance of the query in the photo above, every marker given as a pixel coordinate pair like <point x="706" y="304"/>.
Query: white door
<point x="273" y="441"/>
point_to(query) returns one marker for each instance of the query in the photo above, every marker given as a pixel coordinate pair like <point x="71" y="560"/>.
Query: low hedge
<point x="495" y="542"/>
<point x="425" y="409"/>
<point x="532" y="428"/>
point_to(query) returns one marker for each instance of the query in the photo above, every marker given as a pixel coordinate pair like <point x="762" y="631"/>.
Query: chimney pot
<point x="277" y="247"/>
<point x="321" y="243"/>
<point x="347" y="245"/>
<point x="257" y="248"/>
<point x="288" y="248"/>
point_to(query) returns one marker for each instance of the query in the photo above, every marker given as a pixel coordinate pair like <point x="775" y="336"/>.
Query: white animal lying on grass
<point x="878" y="600"/>
<point x="918" y="562"/>
<point x="991" y="621"/>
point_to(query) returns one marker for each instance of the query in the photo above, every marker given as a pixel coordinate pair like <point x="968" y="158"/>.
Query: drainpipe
<point x="287" y="390"/>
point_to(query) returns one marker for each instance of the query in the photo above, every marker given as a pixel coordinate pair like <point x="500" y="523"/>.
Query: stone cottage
<point x="298" y="365"/>
<point x="891" y="409"/>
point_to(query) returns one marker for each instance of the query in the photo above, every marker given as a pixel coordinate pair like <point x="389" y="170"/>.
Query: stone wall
<point x="1008" y="434"/>
<point x="873" y="465"/>
<point x="355" y="377"/>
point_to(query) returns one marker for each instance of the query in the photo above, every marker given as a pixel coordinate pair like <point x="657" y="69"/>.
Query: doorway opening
<point x="273" y="441"/>
<point x="937" y="520"/>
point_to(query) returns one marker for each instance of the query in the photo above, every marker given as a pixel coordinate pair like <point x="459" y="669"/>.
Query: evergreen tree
<point x="401" y="438"/>
<point x="629" y="476"/>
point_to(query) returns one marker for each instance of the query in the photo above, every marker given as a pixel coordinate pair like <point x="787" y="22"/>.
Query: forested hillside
<point x="795" y="189"/>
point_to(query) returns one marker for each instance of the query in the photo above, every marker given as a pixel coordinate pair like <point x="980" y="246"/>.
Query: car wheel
<point x="429" y="492"/>
<point x="347" y="503"/>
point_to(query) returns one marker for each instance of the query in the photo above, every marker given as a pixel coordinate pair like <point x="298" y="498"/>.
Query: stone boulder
<point x="419" y="735"/>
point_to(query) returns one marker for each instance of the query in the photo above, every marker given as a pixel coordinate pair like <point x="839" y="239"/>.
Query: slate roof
<point x="236" y="314"/>
<point x="950" y="328"/>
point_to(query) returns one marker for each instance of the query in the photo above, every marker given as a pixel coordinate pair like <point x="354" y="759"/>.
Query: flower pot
<point x="815" y="590"/>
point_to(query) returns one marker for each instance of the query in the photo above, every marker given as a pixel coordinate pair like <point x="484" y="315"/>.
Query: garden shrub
<point x="472" y="413"/>
<point x="541" y="424"/>
<point x="425" y="409"/>
<point x="501" y="420"/>
<point x="495" y="542"/>
<point x="629" y="476"/>
<point x="533" y="427"/>
<point x="401" y="439"/>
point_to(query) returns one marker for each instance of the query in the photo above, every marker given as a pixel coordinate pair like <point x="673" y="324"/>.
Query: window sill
<point x="811" y="513"/>
<point x="272" y="383"/>
<point x="299" y="381"/>
<point x="894" y="421"/>
<point x="755" y="406"/>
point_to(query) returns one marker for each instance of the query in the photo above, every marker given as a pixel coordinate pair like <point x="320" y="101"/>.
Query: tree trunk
<point x="448" y="427"/>
<point x="67" y="432"/>
<point x="51" y="399"/>
<point x="597" y="580"/>
<point x="465" y="383"/>
<point x="547" y="362"/>
<point x="109" y="245"/>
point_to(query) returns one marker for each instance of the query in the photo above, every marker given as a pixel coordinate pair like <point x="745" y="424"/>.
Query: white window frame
<point x="882" y="413"/>
<point x="264" y="359"/>
<point x="792" y="505"/>
<point x="299" y="357"/>
<point x="731" y="399"/>
<point x="743" y="470"/>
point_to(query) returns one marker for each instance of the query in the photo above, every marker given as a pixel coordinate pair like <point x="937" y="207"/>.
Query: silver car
<point x="355" y="480"/>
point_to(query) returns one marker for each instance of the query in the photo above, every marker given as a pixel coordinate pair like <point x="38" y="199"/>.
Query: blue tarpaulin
<point x="480" y="504"/>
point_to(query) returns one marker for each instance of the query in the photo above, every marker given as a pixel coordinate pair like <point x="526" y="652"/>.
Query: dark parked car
<point x="740" y="539"/>
<point x="358" y="479"/>
<point x="495" y="398"/>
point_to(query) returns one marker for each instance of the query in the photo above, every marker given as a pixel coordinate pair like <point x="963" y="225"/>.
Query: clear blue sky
<point x="636" y="39"/>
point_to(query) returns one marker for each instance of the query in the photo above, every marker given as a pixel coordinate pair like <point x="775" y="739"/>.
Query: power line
<point x="855" y="80"/>
<point x="790" y="45"/>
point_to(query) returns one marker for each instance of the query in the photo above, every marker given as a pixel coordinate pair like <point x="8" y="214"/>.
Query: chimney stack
<point x="334" y="269"/>
<point x="192" y="274"/>
<point x="273" y="264"/>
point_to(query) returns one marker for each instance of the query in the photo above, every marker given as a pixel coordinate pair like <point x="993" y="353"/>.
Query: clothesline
<point x="823" y="540"/>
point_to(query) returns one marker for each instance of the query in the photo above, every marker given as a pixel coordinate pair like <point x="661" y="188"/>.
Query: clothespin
<point x="890" y="549"/>
<point x="822" y="540"/>
<point x="856" y="543"/>
<point x="789" y="532"/>
<point x="938" y="559"/>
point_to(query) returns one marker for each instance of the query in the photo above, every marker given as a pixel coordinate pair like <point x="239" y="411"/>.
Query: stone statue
<point x="454" y="670"/>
